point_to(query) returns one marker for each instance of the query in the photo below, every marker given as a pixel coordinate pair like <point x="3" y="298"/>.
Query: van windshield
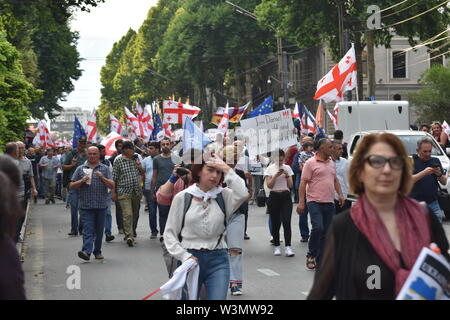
<point x="410" y="142"/>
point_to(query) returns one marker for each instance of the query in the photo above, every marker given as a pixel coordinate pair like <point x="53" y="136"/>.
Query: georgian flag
<point x="143" y="121"/>
<point x="133" y="125"/>
<point x="333" y="120"/>
<point x="176" y="112"/>
<point x="115" y="124"/>
<point x="223" y="125"/>
<point x="91" y="127"/>
<point x="342" y="78"/>
<point x="43" y="136"/>
<point x="109" y="143"/>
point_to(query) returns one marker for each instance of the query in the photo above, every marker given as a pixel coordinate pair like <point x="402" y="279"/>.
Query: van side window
<point x="354" y="144"/>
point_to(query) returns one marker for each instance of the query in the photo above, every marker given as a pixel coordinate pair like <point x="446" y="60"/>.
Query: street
<point x="133" y="273"/>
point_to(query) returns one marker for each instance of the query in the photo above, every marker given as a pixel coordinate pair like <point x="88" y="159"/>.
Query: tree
<point x="15" y="94"/>
<point x="433" y="101"/>
<point x="311" y="23"/>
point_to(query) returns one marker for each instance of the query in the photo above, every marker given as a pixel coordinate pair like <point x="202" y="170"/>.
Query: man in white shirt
<point x="341" y="165"/>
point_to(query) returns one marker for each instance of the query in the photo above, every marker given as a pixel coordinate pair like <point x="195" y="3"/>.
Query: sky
<point x="99" y="30"/>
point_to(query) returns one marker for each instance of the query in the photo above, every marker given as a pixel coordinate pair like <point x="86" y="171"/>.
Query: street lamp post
<point x="282" y="56"/>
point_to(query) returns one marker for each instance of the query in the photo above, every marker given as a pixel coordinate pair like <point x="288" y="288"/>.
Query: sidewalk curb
<point x="23" y="232"/>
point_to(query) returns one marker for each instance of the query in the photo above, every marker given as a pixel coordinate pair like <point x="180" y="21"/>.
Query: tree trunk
<point x="371" y="63"/>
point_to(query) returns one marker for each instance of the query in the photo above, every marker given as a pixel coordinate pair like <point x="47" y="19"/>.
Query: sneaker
<point x="289" y="252"/>
<point x="130" y="242"/>
<point x="236" y="291"/>
<point x="83" y="255"/>
<point x="109" y="238"/>
<point x="154" y="236"/>
<point x="277" y="251"/>
<point x="99" y="257"/>
<point x="246" y="237"/>
<point x="304" y="240"/>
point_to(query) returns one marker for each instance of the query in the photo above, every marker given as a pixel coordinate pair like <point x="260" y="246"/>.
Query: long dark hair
<point x="10" y="209"/>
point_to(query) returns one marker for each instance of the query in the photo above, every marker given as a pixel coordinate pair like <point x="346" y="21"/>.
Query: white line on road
<point x="269" y="272"/>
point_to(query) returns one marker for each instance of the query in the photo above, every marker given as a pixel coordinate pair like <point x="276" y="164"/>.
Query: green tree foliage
<point x="15" y="94"/>
<point x="433" y="101"/>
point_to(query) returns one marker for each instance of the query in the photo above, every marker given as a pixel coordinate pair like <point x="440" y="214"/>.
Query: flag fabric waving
<point x="42" y="137"/>
<point x="309" y="122"/>
<point x="223" y="125"/>
<point x="263" y="108"/>
<point x="78" y="131"/>
<point x="237" y="113"/>
<point x="144" y="121"/>
<point x="336" y="112"/>
<point x="340" y="79"/>
<point x="115" y="125"/>
<point x="296" y="114"/>
<point x="193" y="137"/>
<point x="109" y="143"/>
<point x="158" y="127"/>
<point x="91" y="128"/>
<point x="333" y="120"/>
<point x="319" y="115"/>
<point x="177" y="112"/>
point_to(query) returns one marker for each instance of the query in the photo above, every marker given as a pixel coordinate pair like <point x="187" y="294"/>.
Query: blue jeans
<point x="303" y="224"/>
<point x="94" y="223"/>
<point x="163" y="214"/>
<point x="321" y="217"/>
<point x="214" y="272"/>
<point x="434" y="206"/>
<point x="108" y="219"/>
<point x="152" y="209"/>
<point x="73" y="200"/>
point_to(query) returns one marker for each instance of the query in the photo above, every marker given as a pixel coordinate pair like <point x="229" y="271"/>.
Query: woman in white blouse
<point x="201" y="238"/>
<point x="279" y="181"/>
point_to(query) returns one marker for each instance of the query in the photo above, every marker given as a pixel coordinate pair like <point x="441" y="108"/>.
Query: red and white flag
<point x="133" y="128"/>
<point x="115" y="125"/>
<point x="91" y="127"/>
<point x="109" y="143"/>
<point x="319" y="115"/>
<point x="223" y="125"/>
<point x="296" y="112"/>
<point x="176" y="112"/>
<point x="43" y="136"/>
<point x="342" y="78"/>
<point x="333" y="120"/>
<point x="144" y="118"/>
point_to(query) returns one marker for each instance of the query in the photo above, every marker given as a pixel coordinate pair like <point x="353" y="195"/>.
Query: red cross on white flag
<point x="91" y="127"/>
<point x="176" y="112"/>
<point x="115" y="124"/>
<point x="223" y="125"/>
<point x="342" y="78"/>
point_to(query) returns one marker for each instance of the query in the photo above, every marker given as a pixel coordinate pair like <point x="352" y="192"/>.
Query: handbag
<point x="261" y="198"/>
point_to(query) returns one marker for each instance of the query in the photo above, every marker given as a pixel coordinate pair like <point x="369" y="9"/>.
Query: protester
<point x="119" y="214"/>
<point x="147" y="164"/>
<point x="163" y="165"/>
<point x="427" y="173"/>
<point x="439" y="135"/>
<point x="384" y="228"/>
<point x="49" y="164"/>
<point x="74" y="159"/>
<point x="425" y="128"/>
<point x="319" y="182"/>
<point x="27" y="187"/>
<point x="93" y="180"/>
<point x="31" y="155"/>
<point x="12" y="278"/>
<point x="236" y="226"/>
<point x="291" y="153"/>
<point x="305" y="155"/>
<point x="126" y="174"/>
<point x="201" y="236"/>
<point x="108" y="219"/>
<point x="341" y="165"/>
<point x="279" y="181"/>
<point x="339" y="136"/>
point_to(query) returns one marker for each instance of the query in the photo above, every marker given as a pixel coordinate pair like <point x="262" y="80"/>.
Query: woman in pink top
<point x="279" y="181"/>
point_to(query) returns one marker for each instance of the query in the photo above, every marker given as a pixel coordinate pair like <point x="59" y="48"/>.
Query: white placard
<point x="269" y="132"/>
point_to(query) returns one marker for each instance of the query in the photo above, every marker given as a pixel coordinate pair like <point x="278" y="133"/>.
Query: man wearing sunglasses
<point x="427" y="172"/>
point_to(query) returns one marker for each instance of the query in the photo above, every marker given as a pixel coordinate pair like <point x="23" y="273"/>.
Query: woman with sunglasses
<point x="384" y="228"/>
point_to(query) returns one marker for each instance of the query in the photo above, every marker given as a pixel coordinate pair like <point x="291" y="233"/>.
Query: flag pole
<point x="357" y="101"/>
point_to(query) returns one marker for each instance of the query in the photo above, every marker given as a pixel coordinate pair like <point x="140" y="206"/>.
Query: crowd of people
<point x="198" y="204"/>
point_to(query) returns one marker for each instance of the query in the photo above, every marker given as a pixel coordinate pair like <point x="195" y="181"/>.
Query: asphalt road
<point x="51" y="262"/>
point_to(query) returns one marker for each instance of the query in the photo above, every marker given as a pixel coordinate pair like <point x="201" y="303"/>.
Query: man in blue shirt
<point x="427" y="172"/>
<point x="93" y="201"/>
<point x="147" y="164"/>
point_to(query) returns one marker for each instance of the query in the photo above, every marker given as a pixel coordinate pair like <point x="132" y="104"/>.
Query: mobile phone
<point x="181" y="171"/>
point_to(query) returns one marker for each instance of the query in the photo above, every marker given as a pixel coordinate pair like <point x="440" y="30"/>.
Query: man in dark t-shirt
<point x="427" y="172"/>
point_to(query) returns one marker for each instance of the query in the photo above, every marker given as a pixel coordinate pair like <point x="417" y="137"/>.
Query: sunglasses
<point x="377" y="162"/>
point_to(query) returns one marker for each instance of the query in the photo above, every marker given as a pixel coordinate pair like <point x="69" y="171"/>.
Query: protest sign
<point x="269" y="132"/>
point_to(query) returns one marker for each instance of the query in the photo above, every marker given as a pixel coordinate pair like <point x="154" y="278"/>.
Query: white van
<point x="410" y="139"/>
<point x="372" y="115"/>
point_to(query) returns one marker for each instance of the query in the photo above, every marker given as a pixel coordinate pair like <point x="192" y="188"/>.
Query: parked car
<point x="410" y="139"/>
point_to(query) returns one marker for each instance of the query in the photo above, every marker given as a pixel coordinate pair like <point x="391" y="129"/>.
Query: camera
<point x="182" y="172"/>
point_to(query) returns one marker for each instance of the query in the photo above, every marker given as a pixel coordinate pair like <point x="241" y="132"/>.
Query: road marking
<point x="269" y="272"/>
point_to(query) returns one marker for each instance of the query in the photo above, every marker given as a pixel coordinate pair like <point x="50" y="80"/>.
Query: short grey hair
<point x="424" y="140"/>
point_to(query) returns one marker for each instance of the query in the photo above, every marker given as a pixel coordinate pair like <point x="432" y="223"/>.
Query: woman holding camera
<point x="279" y="181"/>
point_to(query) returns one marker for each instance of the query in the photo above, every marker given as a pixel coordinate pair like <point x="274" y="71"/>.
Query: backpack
<point x="171" y="262"/>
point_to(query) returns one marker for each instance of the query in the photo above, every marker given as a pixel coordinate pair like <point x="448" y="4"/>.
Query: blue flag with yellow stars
<point x="158" y="127"/>
<point x="264" y="108"/>
<point x="78" y="131"/>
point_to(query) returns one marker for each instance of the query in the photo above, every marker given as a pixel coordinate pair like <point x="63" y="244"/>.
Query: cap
<point x="82" y="139"/>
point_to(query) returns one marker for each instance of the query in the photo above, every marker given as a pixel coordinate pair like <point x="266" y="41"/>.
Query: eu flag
<point x="264" y="108"/>
<point x="158" y="127"/>
<point x="77" y="132"/>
